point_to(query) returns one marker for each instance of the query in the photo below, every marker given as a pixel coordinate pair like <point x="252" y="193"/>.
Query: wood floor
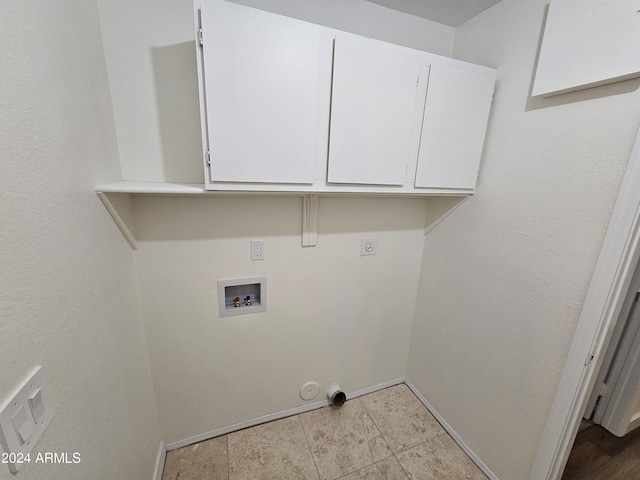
<point x="600" y="455"/>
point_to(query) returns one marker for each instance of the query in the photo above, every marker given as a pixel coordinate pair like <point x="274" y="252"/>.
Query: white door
<point x="615" y="401"/>
<point x="261" y="75"/>
<point x="455" y="121"/>
<point x="373" y="111"/>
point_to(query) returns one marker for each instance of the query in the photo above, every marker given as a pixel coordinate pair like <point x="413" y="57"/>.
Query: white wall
<point x="332" y="315"/>
<point x="368" y="19"/>
<point x="235" y="369"/>
<point x="151" y="59"/>
<point x="69" y="297"/>
<point x="504" y="278"/>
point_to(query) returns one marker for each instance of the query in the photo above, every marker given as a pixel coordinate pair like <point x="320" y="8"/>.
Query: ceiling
<point x="448" y="12"/>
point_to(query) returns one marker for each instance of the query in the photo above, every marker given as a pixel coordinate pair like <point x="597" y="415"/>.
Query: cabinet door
<point x="453" y="130"/>
<point x="262" y="92"/>
<point x="372" y="111"/>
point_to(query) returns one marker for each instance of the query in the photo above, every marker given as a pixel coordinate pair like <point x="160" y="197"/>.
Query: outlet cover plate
<point x="257" y="250"/>
<point x="368" y="246"/>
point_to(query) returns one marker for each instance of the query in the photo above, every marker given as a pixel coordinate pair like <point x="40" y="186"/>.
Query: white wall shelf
<point x="159" y="188"/>
<point x="116" y="198"/>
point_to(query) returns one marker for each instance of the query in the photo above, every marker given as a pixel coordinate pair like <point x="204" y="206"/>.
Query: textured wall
<point x="332" y="315"/>
<point x="69" y="297"/>
<point x="503" y="279"/>
<point x="151" y="58"/>
<point x="366" y="18"/>
<point x="250" y="366"/>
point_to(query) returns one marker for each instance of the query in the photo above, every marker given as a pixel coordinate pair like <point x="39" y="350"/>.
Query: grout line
<point x="228" y="461"/>
<point x="452" y="433"/>
<point x="394" y="454"/>
<point x="414" y="446"/>
<point x="423" y="404"/>
<point x="376" y="425"/>
<point x="367" y="466"/>
<point x="308" y="446"/>
<point x="443" y="433"/>
<point x="365" y="432"/>
<point x="364" y="428"/>
<point x="275" y="416"/>
<point x="354" y="471"/>
<point x="377" y="428"/>
<point x="402" y="466"/>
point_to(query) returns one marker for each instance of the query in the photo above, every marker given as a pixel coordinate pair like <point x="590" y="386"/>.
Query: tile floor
<point x="386" y="435"/>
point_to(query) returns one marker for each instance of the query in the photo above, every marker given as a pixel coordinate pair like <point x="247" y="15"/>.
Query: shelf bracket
<point x="440" y="208"/>
<point x="119" y="207"/>
<point x="309" y="220"/>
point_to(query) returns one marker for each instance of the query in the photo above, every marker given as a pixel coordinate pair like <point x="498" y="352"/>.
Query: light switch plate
<point x="23" y="423"/>
<point x="36" y="402"/>
<point x="24" y="416"/>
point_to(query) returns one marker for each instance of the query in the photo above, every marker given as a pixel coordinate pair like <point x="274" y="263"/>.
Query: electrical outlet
<point x="368" y="246"/>
<point x="257" y="250"/>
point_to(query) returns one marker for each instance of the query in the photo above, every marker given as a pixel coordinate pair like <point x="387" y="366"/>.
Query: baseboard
<point x="162" y="454"/>
<point x="314" y="406"/>
<point x="452" y="432"/>
<point x="380" y="386"/>
<point x="275" y="416"/>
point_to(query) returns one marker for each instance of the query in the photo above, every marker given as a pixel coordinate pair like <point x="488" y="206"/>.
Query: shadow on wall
<point x="535" y="103"/>
<point x="176" y="82"/>
<point x="161" y="218"/>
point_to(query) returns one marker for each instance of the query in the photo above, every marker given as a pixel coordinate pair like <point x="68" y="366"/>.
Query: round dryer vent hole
<point x="309" y="390"/>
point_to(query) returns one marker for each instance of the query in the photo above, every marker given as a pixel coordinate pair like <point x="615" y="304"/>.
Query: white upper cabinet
<point x="455" y="121"/>
<point x="261" y="74"/>
<point x="289" y="106"/>
<point x="373" y="108"/>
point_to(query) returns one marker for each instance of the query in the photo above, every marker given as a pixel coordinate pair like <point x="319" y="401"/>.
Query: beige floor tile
<point x="401" y="418"/>
<point x="204" y="460"/>
<point x="275" y="450"/>
<point x="343" y="439"/>
<point x="388" y="469"/>
<point x="439" y="459"/>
